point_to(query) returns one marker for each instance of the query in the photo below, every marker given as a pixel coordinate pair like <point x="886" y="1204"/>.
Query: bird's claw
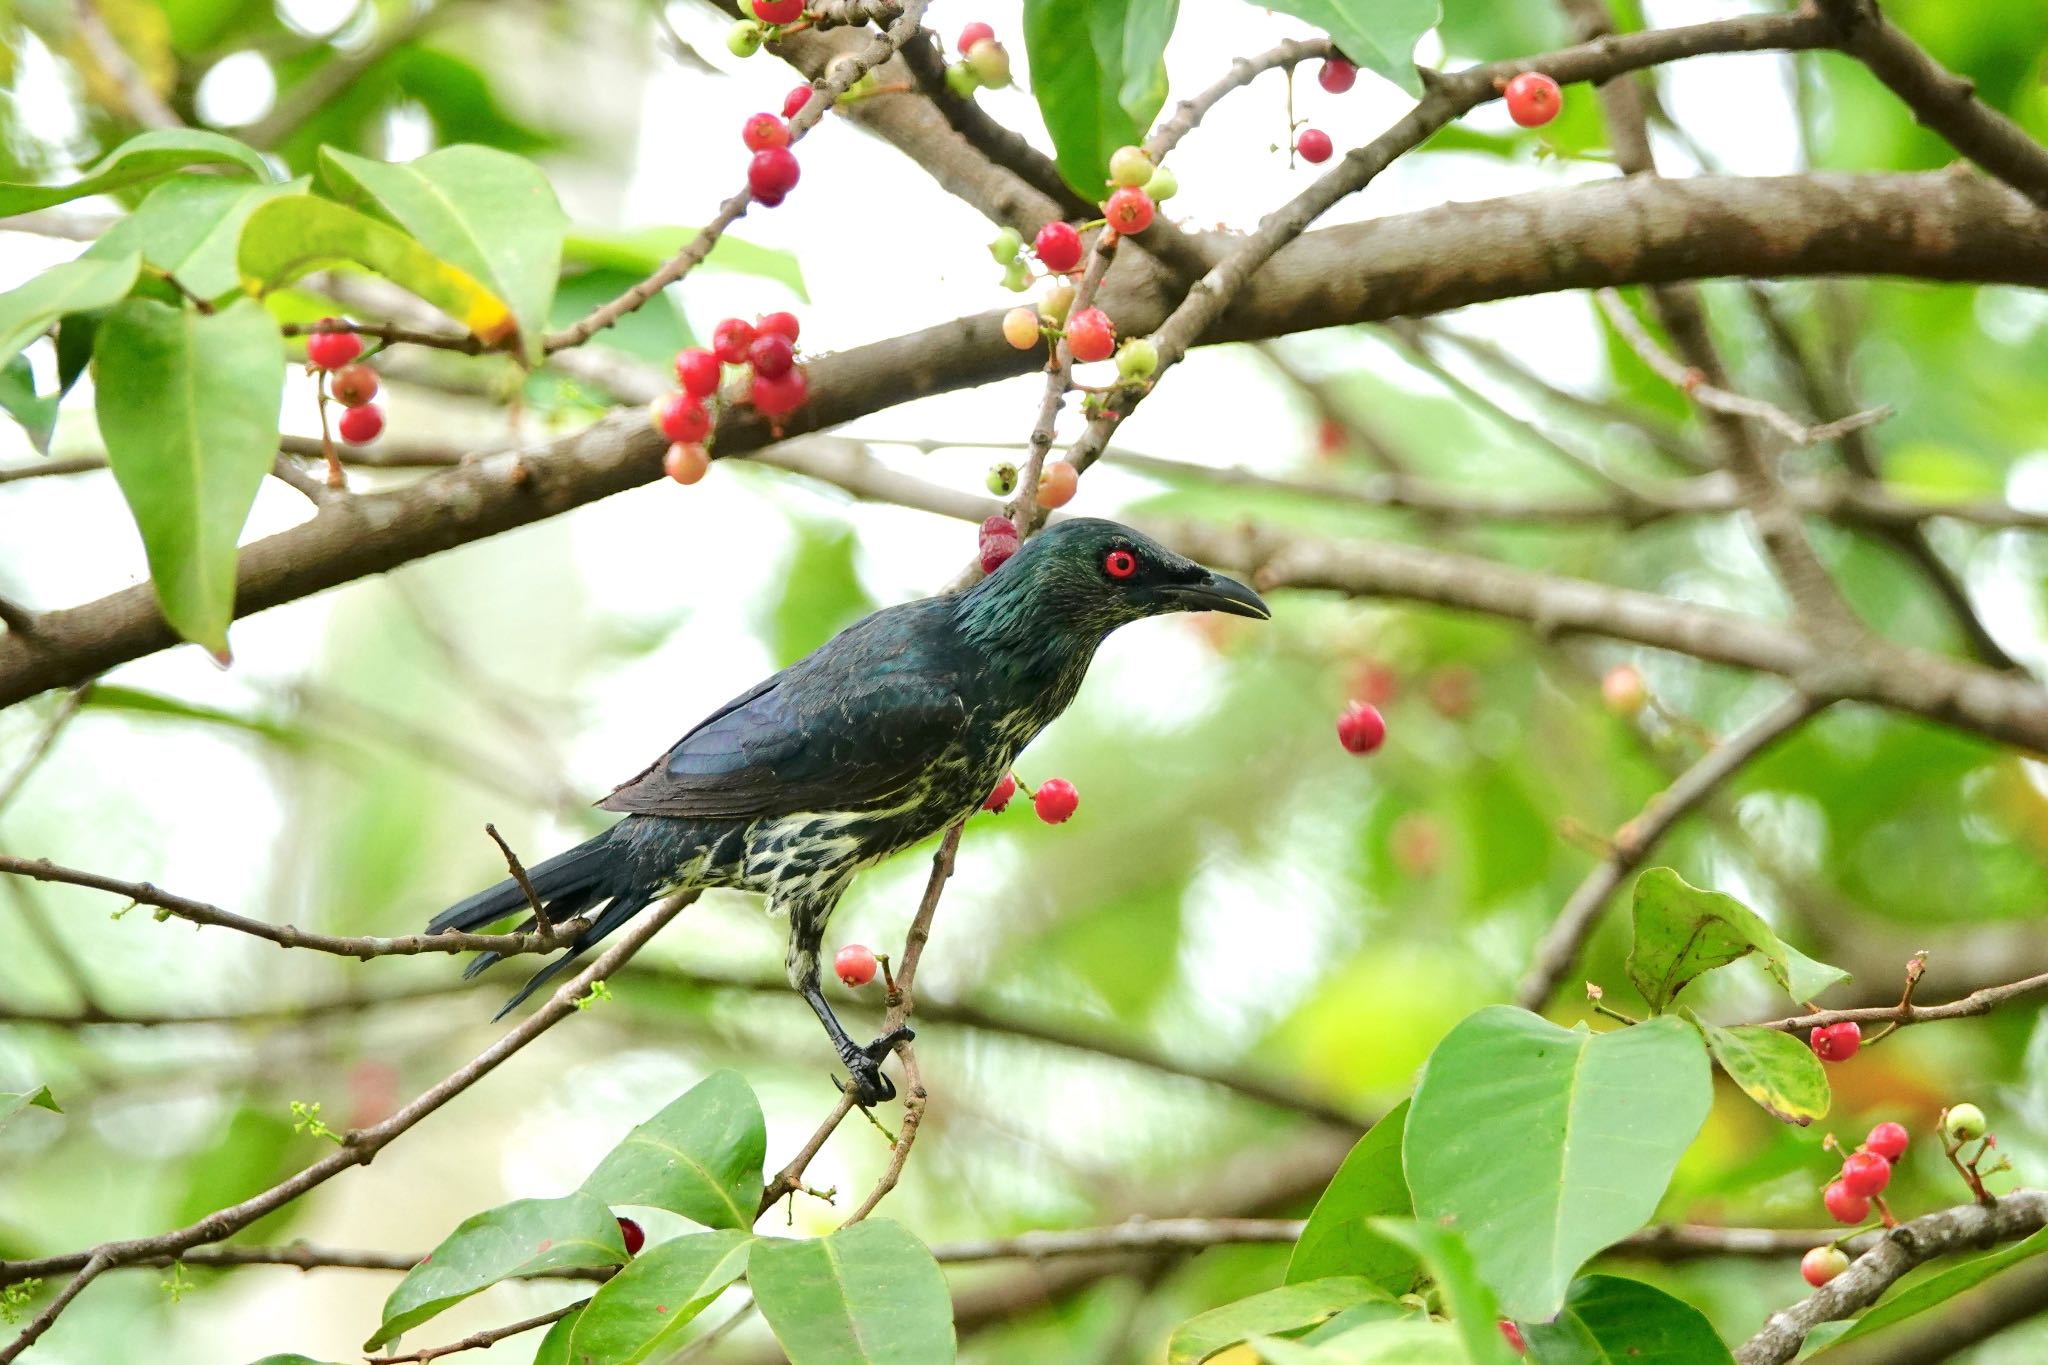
<point x="864" y="1068"/>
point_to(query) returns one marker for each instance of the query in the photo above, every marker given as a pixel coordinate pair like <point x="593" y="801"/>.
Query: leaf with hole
<point x="1098" y="71"/>
<point x="1286" y="1309"/>
<point x="1609" y="1320"/>
<point x="643" y="1309"/>
<point x="1775" y="1069"/>
<point x="1377" y="35"/>
<point x="142" y="157"/>
<point x="1683" y="931"/>
<point x="1339" y="1238"/>
<point x="700" y="1157"/>
<point x="869" y="1294"/>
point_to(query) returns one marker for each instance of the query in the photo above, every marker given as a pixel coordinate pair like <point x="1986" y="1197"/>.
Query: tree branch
<point x="1980" y="1001"/>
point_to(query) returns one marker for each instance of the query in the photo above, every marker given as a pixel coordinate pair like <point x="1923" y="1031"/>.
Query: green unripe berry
<point x="1017" y="278"/>
<point x="1130" y="166"/>
<point x="1002" y="479"/>
<point x="747" y="8"/>
<point x="1162" y="186"/>
<point x="744" y="38"/>
<point x="962" y="81"/>
<point x="1007" y="244"/>
<point x="1963" y="1123"/>
<point x="990" y="62"/>
<point x="1137" y="358"/>
<point x="1055" y="306"/>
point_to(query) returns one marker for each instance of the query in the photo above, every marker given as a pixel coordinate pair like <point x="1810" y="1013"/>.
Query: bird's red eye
<point x="1120" y="564"/>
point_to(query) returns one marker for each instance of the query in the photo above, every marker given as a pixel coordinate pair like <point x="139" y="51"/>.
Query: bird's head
<point x="1084" y="577"/>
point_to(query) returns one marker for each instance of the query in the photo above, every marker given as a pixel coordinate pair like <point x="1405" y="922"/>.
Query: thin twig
<point x="478" y="1341"/>
<point x="66" y="711"/>
<point x="540" y="912"/>
<point x="1980" y="1001"/>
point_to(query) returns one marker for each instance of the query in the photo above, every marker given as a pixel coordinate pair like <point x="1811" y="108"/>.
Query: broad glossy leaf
<point x="1277" y="1310"/>
<point x="1473" y="1308"/>
<point x="1609" y="1320"/>
<point x="520" y="1238"/>
<point x="489" y="212"/>
<point x="1682" y="931"/>
<point x="1378" y="35"/>
<point x="142" y="157"/>
<point x="72" y="287"/>
<point x="190" y="228"/>
<point x="294" y="236"/>
<point x="1939" y="1289"/>
<point x="645" y="1307"/>
<point x="36" y="412"/>
<point x="1409" y="1340"/>
<point x="1098" y="71"/>
<point x="188" y="403"/>
<point x="700" y="1157"/>
<point x="870" y="1294"/>
<point x="1339" y="1238"/>
<point x="1775" y="1069"/>
<point x="554" y="1347"/>
<point x="14" y="1102"/>
<point x="1544" y="1145"/>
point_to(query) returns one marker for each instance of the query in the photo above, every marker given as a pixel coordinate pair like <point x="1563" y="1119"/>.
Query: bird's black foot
<point x="864" y="1068"/>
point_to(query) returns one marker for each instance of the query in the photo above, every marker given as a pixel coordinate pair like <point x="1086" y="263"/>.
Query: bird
<point x="894" y="729"/>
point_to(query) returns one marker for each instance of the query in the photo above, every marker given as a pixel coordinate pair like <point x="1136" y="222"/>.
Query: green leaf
<point x="700" y="1157"/>
<point x="1098" y="71"/>
<point x="821" y="590"/>
<point x="1472" y="1306"/>
<point x="870" y="1294"/>
<point x="554" y="1347"/>
<point x="190" y="228"/>
<point x="1775" y="1069"/>
<point x="1608" y="1320"/>
<point x="1544" y="1145"/>
<point x="1284" y="1309"/>
<point x="520" y="1238"/>
<point x="489" y="212"/>
<point x="187" y="403"/>
<point x="37" y="412"/>
<point x="294" y="236"/>
<point x="640" y="252"/>
<point x="73" y="287"/>
<point x="1682" y="931"/>
<point x="644" y="1308"/>
<point x="14" y="1102"/>
<point x="1939" y="1289"/>
<point x="142" y="157"/>
<point x="1407" y="1340"/>
<point x="1378" y="35"/>
<point x="1339" y="1238"/>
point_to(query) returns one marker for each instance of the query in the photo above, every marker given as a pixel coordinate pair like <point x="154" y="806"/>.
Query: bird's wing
<point x="845" y="730"/>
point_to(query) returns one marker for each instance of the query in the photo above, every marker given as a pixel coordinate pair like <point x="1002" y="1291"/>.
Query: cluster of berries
<point x="1055" y="800"/>
<point x="766" y="20"/>
<point x="1868" y="1170"/>
<point x="353" y="385"/>
<point x="1865" y="1172"/>
<point x="984" y="63"/>
<point x="772" y="381"/>
<point x="773" y="172"/>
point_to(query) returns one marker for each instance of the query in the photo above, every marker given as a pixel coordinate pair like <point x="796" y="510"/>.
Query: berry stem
<point x="1602" y="1007"/>
<point x="1884" y="1211"/>
<point x="336" y="476"/>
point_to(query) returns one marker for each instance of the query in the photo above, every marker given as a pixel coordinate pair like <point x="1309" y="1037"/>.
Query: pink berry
<point x="779" y="395"/>
<point x="1091" y="335"/>
<point x="1361" y="728"/>
<point x="762" y="131"/>
<point x="1822" y="1264"/>
<point x="976" y="32"/>
<point x="697" y="370"/>
<point x="1844" y="1204"/>
<point x="680" y="417"/>
<point x="1866" y="1173"/>
<point x="1000" y="797"/>
<point x="1056" y="800"/>
<point x="1513" y="1336"/>
<point x="730" y="339"/>
<point x="332" y="350"/>
<point x="795" y="100"/>
<point x="686" y="462"/>
<point x="633" y="1235"/>
<point x="782" y="324"/>
<point x="1624" y="690"/>
<point x="1888" y="1140"/>
<point x="855" y="964"/>
<point x="1314" y="145"/>
<point x="353" y="385"/>
<point x="1836" y="1042"/>
<point x="771" y="355"/>
<point x="778" y="11"/>
<point x="772" y="173"/>
<point x="360" y="426"/>
<point x="1056" y="484"/>
<point x="1058" y="246"/>
<point x="1337" y="75"/>
<point x="1129" y="210"/>
<point x="1533" y="99"/>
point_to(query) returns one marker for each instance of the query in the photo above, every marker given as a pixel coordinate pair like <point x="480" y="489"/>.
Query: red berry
<point x="771" y="355"/>
<point x="1822" y="1264"/>
<point x="1533" y="99"/>
<point x="730" y="339"/>
<point x="1331" y="438"/>
<point x="996" y="551"/>
<point x="1000" y="797"/>
<point x="1129" y="210"/>
<point x="1866" y="1173"/>
<point x="782" y="324"/>
<point x="1091" y="335"/>
<point x="1056" y="484"/>
<point x="1055" y="800"/>
<point x="1314" y="145"/>
<point x="1337" y="75"/>
<point x="633" y="1235"/>
<point x="778" y="11"/>
<point x="772" y="173"/>
<point x="332" y="350"/>
<point x="795" y="100"/>
<point x="1058" y="246"/>
<point x="1513" y="1334"/>
<point x="681" y="417"/>
<point x="1888" y="1140"/>
<point x="686" y="462"/>
<point x="1836" y="1042"/>
<point x="855" y="964"/>
<point x="762" y="131"/>
<point x="1361" y="728"/>
<point x="353" y="385"/>
<point x="779" y="395"/>
<point x="998" y="526"/>
<point x="360" y="426"/>
<point x="1844" y="1204"/>
<point x="976" y="32"/>
<point x="697" y="370"/>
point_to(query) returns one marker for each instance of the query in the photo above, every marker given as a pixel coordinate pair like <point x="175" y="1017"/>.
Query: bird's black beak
<point x="1214" y="592"/>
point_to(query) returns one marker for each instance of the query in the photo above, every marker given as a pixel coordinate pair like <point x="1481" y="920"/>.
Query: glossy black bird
<point x="886" y="734"/>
